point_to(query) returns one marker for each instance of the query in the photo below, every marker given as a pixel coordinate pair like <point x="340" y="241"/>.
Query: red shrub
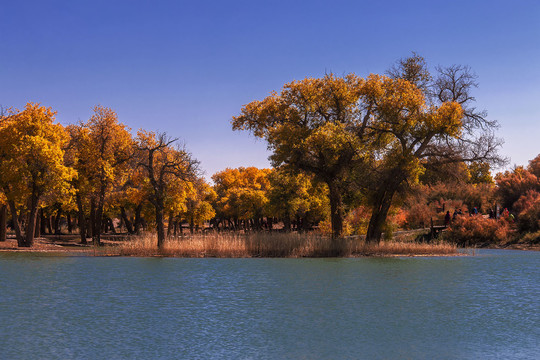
<point x="526" y="201"/>
<point x="418" y="216"/>
<point x="477" y="230"/>
<point x="529" y="216"/>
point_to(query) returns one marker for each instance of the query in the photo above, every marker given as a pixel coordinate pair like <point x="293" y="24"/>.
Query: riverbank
<point x="236" y="246"/>
<point x="254" y="245"/>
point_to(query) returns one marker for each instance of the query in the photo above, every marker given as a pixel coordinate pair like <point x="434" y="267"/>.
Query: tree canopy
<point x="376" y="132"/>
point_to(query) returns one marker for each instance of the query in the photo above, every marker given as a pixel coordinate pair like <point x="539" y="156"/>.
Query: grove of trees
<point x="358" y="154"/>
<point x="374" y="136"/>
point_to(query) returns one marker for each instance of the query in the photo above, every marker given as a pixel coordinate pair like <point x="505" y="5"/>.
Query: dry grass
<point x="274" y="245"/>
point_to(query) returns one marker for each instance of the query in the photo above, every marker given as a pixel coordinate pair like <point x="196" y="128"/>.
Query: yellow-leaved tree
<point x="242" y="196"/>
<point x="297" y="197"/>
<point x="103" y="147"/>
<point x="31" y="164"/>
<point x="166" y="169"/>
<point x="416" y="119"/>
<point x="376" y="133"/>
<point x="308" y="127"/>
<point x="199" y="204"/>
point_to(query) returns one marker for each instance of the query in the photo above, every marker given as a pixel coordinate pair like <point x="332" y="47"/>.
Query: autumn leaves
<point x="370" y="136"/>
<point x="91" y="167"/>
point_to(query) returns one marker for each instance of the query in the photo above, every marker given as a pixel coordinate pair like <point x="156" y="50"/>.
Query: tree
<point x="376" y="132"/>
<point x="32" y="164"/>
<point x="3" y="217"/>
<point x="135" y="197"/>
<point x="81" y="184"/>
<point x="3" y="200"/>
<point x="296" y="196"/>
<point x="199" y="200"/>
<point x="307" y="126"/>
<point x="104" y="147"/>
<point x="511" y="185"/>
<point x="242" y="195"/>
<point x="534" y="166"/>
<point x="519" y="191"/>
<point x="165" y="168"/>
<point x="421" y="120"/>
<point x="479" y="173"/>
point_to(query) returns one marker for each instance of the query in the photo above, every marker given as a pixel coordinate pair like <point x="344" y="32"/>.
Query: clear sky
<point x="187" y="67"/>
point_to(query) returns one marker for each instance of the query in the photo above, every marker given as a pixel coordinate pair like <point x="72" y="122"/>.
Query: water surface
<point x="481" y="307"/>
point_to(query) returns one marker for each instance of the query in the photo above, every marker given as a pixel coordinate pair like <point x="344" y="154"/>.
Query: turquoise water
<point x="481" y="307"/>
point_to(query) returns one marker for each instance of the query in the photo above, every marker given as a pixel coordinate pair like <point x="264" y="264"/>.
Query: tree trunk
<point x="57" y="221"/>
<point x="82" y="220"/>
<point x="34" y="200"/>
<point x="381" y="206"/>
<point x="111" y="225"/>
<point x="128" y="224"/>
<point x="3" y="223"/>
<point x="49" y="225"/>
<point x="16" y="224"/>
<point x="37" y="230"/>
<point x="42" y="221"/>
<point x="160" y="226"/>
<point x="306" y="224"/>
<point x="170" y="225"/>
<point x="138" y="221"/>
<point x="95" y="219"/>
<point x="69" y="223"/>
<point x="336" y="210"/>
<point x="287" y="222"/>
<point x="96" y="233"/>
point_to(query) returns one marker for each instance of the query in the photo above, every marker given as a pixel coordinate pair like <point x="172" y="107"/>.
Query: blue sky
<point x="187" y="67"/>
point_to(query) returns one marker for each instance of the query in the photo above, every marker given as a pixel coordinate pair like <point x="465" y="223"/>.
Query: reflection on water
<point x="478" y="307"/>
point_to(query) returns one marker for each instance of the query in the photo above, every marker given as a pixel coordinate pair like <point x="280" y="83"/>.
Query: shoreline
<point x="57" y="247"/>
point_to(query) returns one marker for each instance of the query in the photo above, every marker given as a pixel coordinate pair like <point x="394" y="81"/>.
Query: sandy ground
<point x="63" y="244"/>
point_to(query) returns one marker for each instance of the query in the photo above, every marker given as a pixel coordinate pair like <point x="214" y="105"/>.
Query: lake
<point x="476" y="307"/>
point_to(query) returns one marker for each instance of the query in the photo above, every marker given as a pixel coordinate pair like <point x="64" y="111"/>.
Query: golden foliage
<point x="32" y="153"/>
<point x="241" y="193"/>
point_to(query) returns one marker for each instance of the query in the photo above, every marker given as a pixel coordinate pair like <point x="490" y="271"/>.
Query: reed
<point x="234" y="245"/>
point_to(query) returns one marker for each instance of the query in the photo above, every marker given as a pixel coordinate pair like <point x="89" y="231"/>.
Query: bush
<point x="418" y="216"/>
<point x="531" y="238"/>
<point x="477" y="230"/>
<point x="529" y="219"/>
<point x="525" y="201"/>
<point x="356" y="222"/>
<point x="528" y="207"/>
